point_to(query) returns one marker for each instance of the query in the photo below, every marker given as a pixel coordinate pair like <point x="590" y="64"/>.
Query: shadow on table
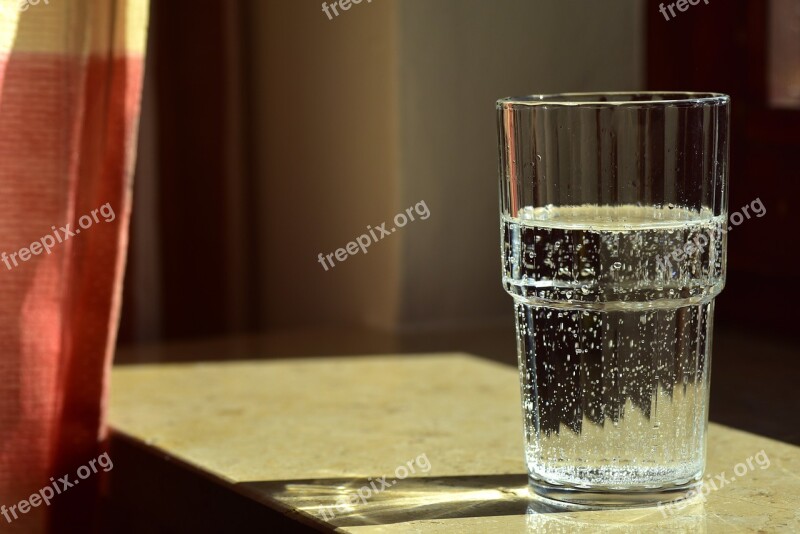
<point x="350" y="502"/>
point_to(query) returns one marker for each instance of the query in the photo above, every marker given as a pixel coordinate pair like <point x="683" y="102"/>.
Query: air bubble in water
<point x="606" y="389"/>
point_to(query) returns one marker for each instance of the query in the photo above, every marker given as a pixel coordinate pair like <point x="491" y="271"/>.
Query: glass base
<point x="605" y="497"/>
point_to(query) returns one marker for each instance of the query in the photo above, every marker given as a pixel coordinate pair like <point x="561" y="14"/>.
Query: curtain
<point x="70" y="81"/>
<point x="194" y="130"/>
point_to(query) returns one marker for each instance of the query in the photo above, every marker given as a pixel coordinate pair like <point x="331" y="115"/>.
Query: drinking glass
<point x="613" y="242"/>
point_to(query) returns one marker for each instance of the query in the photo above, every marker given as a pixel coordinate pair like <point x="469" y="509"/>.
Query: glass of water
<point x="613" y="238"/>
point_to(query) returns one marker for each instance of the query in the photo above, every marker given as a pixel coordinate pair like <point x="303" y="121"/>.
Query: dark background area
<point x="727" y="49"/>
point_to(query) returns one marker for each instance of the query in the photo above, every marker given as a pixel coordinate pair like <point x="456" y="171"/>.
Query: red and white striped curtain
<point x="70" y="83"/>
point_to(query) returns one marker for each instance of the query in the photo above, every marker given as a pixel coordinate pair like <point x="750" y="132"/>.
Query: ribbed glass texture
<point x="613" y="238"/>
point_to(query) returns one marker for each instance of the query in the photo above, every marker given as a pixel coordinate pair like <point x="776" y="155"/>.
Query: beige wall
<point x="456" y="58"/>
<point x="392" y="103"/>
<point x="326" y="145"/>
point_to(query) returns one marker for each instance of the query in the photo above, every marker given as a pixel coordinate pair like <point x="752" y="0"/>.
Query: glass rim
<point x="615" y="98"/>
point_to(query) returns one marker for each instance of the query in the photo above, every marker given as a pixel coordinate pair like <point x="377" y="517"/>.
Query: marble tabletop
<point x="409" y="443"/>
